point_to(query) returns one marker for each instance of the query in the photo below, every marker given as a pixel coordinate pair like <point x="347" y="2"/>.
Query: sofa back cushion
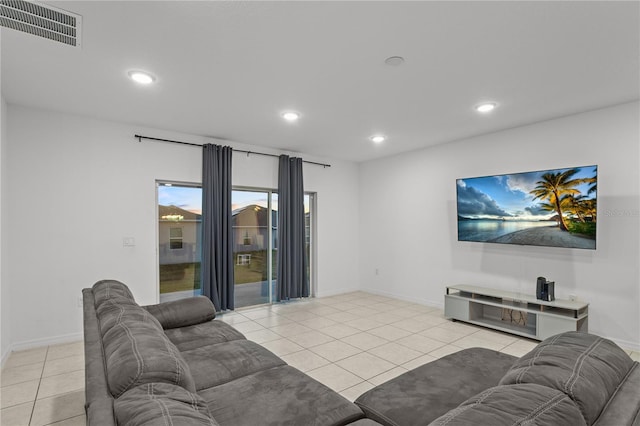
<point x="112" y="290"/>
<point x="526" y="404"/>
<point x="111" y="312"/>
<point x="585" y="367"/>
<point x="156" y="404"/>
<point x="139" y="352"/>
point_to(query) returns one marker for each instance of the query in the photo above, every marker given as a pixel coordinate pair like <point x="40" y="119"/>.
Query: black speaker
<point x="545" y="290"/>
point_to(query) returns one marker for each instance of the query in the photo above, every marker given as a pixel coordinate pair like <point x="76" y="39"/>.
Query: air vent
<point x="41" y="20"/>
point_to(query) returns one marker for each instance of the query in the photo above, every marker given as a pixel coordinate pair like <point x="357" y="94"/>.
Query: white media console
<point x="514" y="313"/>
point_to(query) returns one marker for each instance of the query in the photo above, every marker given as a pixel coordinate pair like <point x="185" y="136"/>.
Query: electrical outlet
<point x="377" y="271"/>
<point x="573" y="297"/>
<point x="79" y="303"/>
<point x="128" y="242"/>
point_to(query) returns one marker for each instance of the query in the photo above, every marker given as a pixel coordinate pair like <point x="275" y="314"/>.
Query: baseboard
<point x="336" y="292"/>
<point x="5" y="357"/>
<point x="47" y="341"/>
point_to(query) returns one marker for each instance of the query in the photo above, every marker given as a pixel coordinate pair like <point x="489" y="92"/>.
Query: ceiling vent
<point x="41" y="20"/>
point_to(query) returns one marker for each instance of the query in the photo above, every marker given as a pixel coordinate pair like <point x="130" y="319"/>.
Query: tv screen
<point x="554" y="208"/>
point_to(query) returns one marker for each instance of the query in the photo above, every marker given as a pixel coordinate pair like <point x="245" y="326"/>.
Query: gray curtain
<point x="217" y="239"/>
<point x="292" y="280"/>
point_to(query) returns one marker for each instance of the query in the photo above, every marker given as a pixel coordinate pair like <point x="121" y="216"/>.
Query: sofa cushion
<point x="223" y="362"/>
<point x="154" y="404"/>
<point x="183" y="312"/>
<point x="526" y="404"/>
<point x="201" y="335"/>
<point x="139" y="352"/>
<point x="278" y="396"/>
<point x="425" y="393"/>
<point x="112" y="289"/>
<point x="624" y="406"/>
<point x="587" y="368"/>
<point x="111" y="312"/>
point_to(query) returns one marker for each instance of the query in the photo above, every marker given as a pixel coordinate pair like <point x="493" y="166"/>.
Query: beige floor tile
<point x="364" y="341"/>
<point x="257" y="314"/>
<point x="335" y="350"/>
<point x="65" y="350"/>
<point x="412" y="324"/>
<point x="389" y="332"/>
<point x="497" y="336"/>
<point x="318" y="323"/>
<point x="388" y="375"/>
<point x="514" y="350"/>
<point x="428" y="319"/>
<point x="311" y="339"/>
<point x="300" y="315"/>
<point x="344" y="306"/>
<point x="305" y="360"/>
<point x="406" y="313"/>
<point x="395" y="353"/>
<point x="338" y="331"/>
<point x="472" y="341"/>
<point x="62" y="383"/>
<point x="282" y="347"/>
<point x="365" y="365"/>
<point x="444" y="351"/>
<point x="23" y="373"/>
<point x="291" y="329"/>
<point x="354" y="392"/>
<point x="29" y="356"/>
<point x="420" y="343"/>
<point x="231" y="318"/>
<point x="442" y="334"/>
<point x="262" y="336"/>
<point x="63" y="365"/>
<point x="363" y="311"/>
<point x="342" y="317"/>
<point x="74" y="421"/>
<point x="324" y="310"/>
<point x="18" y="415"/>
<point x="387" y="318"/>
<point x="273" y="321"/>
<point x="417" y="362"/>
<point x="19" y="393"/>
<point x="57" y="408"/>
<point x="335" y="377"/>
<point x="363" y="324"/>
<point x="460" y="327"/>
<point x="248" y="326"/>
<point x="635" y="356"/>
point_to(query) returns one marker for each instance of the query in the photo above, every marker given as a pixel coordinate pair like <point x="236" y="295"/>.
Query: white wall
<point x="5" y="307"/>
<point x="78" y="186"/>
<point x="408" y="228"/>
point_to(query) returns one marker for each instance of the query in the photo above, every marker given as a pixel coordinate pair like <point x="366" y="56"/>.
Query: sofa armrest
<point x="183" y="312"/>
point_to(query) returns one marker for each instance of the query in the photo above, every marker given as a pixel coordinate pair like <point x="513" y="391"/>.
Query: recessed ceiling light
<point x="394" y="61"/>
<point x="291" y="115"/>
<point x="378" y="138"/>
<point x="486" y="106"/>
<point x="141" y="77"/>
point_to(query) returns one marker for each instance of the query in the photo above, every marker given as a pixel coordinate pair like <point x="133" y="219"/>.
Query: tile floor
<point x="350" y="342"/>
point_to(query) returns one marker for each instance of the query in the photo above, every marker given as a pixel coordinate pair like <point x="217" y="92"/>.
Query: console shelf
<point x="514" y="313"/>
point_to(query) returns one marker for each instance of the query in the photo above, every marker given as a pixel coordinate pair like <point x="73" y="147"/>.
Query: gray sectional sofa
<point x="174" y="364"/>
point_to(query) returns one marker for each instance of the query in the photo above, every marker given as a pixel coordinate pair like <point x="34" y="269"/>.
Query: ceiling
<point x="229" y="69"/>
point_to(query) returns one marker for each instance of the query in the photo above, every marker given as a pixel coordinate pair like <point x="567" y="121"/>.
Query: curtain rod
<point x="140" y="137"/>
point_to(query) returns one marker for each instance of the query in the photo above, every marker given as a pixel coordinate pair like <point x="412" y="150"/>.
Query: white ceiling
<point x="228" y="69"/>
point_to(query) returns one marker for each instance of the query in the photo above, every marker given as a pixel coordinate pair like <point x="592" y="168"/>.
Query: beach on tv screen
<point x="556" y="208"/>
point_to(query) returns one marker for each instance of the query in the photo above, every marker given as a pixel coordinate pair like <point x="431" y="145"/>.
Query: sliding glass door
<point x="255" y="242"/>
<point x="179" y="240"/>
<point x="253" y="249"/>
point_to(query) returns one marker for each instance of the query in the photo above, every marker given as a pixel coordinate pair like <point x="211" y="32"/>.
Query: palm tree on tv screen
<point x="556" y="188"/>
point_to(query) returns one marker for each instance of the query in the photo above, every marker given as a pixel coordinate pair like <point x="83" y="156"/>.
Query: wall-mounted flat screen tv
<point x="555" y="208"/>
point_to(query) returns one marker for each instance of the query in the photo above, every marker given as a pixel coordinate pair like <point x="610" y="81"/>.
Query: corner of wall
<point x="5" y="331"/>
